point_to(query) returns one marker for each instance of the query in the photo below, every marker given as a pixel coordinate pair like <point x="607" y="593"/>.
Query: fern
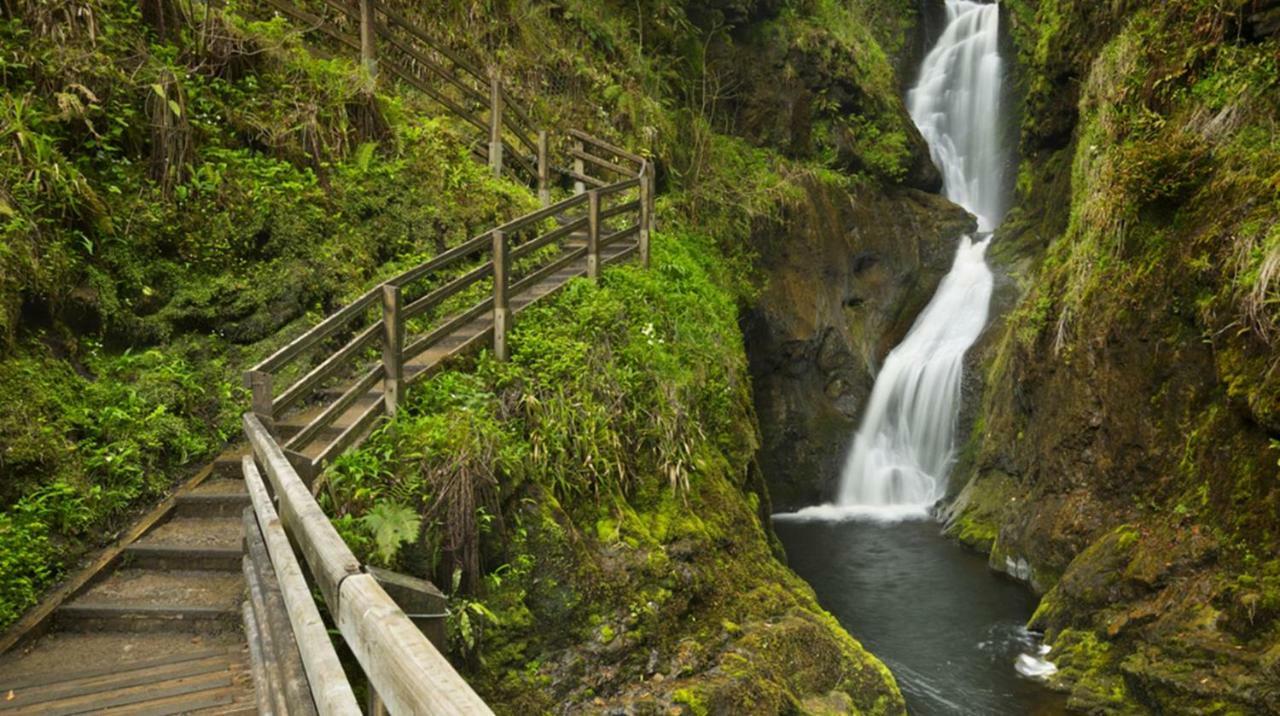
<point x="391" y="524"/>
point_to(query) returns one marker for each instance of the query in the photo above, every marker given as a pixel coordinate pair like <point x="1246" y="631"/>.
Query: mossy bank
<point x="1125" y="457"/>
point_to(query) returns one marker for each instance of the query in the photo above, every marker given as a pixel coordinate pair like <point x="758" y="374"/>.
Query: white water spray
<point x="956" y="105"/>
<point x="904" y="449"/>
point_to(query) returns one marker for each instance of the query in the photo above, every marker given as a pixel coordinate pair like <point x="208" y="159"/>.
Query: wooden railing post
<point x="368" y="33"/>
<point x="646" y="171"/>
<point x="544" y="178"/>
<point x="495" y="123"/>
<point x="579" y="167"/>
<point x="260" y="384"/>
<point x="501" y="308"/>
<point x="392" y="347"/>
<point x="593" y="234"/>
<point x="653" y="196"/>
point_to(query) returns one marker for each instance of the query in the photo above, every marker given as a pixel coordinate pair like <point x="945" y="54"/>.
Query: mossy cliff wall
<point x="1125" y="457"/>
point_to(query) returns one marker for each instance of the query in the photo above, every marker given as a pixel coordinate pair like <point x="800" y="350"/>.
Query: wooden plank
<point x="111" y="682"/>
<point x="409" y="674"/>
<point x="34" y="622"/>
<point x="349" y="435"/>
<point x="422" y="37"/>
<point x="288" y="677"/>
<point x="330" y="559"/>
<point x="420" y="305"/>
<point x="588" y="180"/>
<point x="49" y="677"/>
<point x="602" y="163"/>
<point x="611" y="148"/>
<point x="327" y="368"/>
<point x="337" y="408"/>
<point x="453" y="324"/>
<point x="263" y="693"/>
<point x="329" y="685"/>
<point x="134" y="695"/>
<point x="559" y="232"/>
<point x="548" y="270"/>
<point x="620" y="209"/>
<point x="329" y="326"/>
<point x="181" y="704"/>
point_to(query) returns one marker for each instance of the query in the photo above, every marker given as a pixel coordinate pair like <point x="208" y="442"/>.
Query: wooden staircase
<point x="157" y="629"/>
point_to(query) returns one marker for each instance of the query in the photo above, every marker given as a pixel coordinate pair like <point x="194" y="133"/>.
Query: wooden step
<point x="207" y="505"/>
<point x="134" y="599"/>
<point x="52" y="690"/>
<point x="169" y="557"/>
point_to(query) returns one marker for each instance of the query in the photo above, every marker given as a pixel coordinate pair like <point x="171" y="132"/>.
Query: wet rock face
<point x="845" y="276"/>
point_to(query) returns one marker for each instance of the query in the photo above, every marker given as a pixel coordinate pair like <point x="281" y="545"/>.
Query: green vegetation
<point x="589" y="491"/>
<point x="139" y="273"/>
<point x="1134" y="384"/>
<point x="181" y="193"/>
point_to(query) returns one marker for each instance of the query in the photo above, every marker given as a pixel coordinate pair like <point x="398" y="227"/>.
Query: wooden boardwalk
<point x="155" y="625"/>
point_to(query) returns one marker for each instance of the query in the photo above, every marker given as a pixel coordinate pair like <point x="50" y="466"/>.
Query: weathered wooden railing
<point x="387" y="40"/>
<point x="351" y="369"/>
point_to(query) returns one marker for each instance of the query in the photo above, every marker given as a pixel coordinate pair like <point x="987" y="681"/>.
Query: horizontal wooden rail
<point x="620" y="209"/>
<point x="330" y="559"/>
<point x="560" y="263"/>
<point x="327" y="368"/>
<point x="606" y="146"/>
<point x="348" y="436"/>
<point x="329" y="326"/>
<point x="585" y="179"/>
<point x="560" y="232"/>
<point x="439" y="295"/>
<point x="337" y="408"/>
<point x="619" y="187"/>
<point x="406" y="671"/>
<point x="409" y="27"/>
<point x="330" y="688"/>
<point x="602" y="163"/>
<point x="415" y="348"/>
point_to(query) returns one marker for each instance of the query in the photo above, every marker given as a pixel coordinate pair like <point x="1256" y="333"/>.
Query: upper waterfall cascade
<point x="905" y="446"/>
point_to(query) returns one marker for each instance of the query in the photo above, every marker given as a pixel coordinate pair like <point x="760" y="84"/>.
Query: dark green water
<point x="948" y="627"/>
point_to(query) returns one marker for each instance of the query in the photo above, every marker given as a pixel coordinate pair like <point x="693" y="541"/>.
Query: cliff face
<point x="846" y="272"/>
<point x="1124" y="460"/>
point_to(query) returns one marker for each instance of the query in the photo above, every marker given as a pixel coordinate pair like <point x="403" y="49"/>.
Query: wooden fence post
<point x="653" y="197"/>
<point x="593" y="234"/>
<point x="501" y="308"/>
<point x="544" y="178"/>
<point x="495" y="123"/>
<point x="368" y="33"/>
<point x="392" y="347"/>
<point x="579" y="167"/>
<point x="262" y="401"/>
<point x="645" y="172"/>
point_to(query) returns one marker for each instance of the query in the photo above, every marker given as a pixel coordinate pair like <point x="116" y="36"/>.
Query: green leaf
<point x="391" y="524"/>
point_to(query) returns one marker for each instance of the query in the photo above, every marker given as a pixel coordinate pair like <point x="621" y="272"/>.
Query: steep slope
<point x="1125" y="460"/>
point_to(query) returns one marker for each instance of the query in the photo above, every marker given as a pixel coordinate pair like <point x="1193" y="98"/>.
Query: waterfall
<point x="956" y="106"/>
<point x="904" y="449"/>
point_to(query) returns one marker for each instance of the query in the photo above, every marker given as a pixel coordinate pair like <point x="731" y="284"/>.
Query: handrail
<point x="404" y="668"/>
<point x="406" y="673"/>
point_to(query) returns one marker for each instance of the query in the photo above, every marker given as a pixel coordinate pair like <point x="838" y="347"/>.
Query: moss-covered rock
<point x="1126" y="447"/>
